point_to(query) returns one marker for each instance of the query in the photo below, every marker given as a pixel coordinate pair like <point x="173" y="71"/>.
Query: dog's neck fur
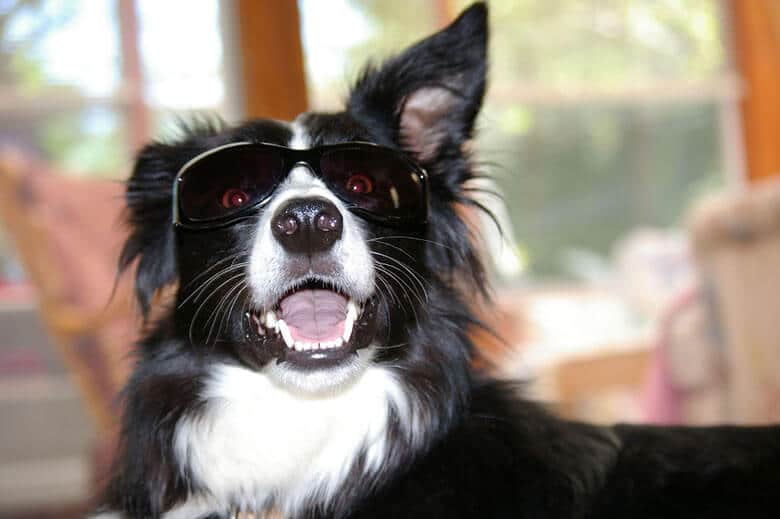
<point x="256" y="444"/>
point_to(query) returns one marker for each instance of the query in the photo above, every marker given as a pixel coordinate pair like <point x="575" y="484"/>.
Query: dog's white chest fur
<point x="256" y="440"/>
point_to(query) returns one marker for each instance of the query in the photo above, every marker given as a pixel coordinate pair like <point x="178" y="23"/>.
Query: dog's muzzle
<point x="317" y="320"/>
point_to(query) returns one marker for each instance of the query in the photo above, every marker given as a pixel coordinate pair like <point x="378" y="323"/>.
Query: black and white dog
<point x="317" y="361"/>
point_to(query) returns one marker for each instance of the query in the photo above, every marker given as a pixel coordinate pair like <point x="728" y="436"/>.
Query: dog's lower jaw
<point x="255" y="443"/>
<point x="320" y="382"/>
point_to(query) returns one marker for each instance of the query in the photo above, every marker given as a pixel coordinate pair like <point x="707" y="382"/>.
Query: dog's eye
<point x="359" y="184"/>
<point x="233" y="198"/>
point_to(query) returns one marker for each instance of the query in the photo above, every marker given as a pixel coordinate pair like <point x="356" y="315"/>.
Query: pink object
<point x="660" y="396"/>
<point x="16" y="292"/>
<point x="22" y="361"/>
<point x="314" y="315"/>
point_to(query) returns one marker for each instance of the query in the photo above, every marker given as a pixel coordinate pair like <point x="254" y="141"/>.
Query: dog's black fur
<point x="486" y="452"/>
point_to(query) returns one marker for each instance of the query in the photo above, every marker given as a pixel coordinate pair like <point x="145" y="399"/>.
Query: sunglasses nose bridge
<point x="305" y="164"/>
<point x="295" y="171"/>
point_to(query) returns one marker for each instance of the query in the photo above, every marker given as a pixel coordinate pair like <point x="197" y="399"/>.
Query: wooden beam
<point x="271" y="58"/>
<point x="756" y="36"/>
<point x="133" y="76"/>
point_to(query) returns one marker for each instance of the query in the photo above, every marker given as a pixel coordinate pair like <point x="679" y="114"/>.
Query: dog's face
<point x="315" y="260"/>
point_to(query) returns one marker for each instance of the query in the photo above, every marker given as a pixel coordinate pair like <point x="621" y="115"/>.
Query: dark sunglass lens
<point x="377" y="181"/>
<point x="221" y="184"/>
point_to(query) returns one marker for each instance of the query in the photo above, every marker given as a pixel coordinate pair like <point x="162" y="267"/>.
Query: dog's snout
<point x="307" y="225"/>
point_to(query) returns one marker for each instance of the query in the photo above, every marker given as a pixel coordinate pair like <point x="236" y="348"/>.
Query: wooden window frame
<point x="756" y="38"/>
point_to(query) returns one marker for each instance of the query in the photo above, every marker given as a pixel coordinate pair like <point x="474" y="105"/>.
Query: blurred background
<point x="635" y="145"/>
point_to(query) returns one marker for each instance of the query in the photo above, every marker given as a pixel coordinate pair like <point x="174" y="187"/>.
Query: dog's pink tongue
<point x="314" y="315"/>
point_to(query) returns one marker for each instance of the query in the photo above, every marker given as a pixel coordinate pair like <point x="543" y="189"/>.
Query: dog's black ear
<point x="149" y="207"/>
<point x="427" y="97"/>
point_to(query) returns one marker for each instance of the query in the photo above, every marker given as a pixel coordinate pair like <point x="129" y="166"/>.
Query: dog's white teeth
<point x="352" y="310"/>
<point x="284" y="331"/>
<point x="349" y="320"/>
<point x="313" y="346"/>
<point x="270" y="320"/>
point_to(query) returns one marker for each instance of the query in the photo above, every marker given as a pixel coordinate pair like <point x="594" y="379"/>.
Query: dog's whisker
<point x="391" y="346"/>
<point x="212" y="267"/>
<point x="224" y="270"/>
<point x="390" y="292"/>
<point x="203" y="303"/>
<point x="396" y="247"/>
<point x="215" y="316"/>
<point x="394" y="298"/>
<point x="195" y="294"/>
<point x="405" y="268"/>
<point x="407" y="290"/>
<point x="217" y="308"/>
<point x="226" y="295"/>
<point x="228" y="313"/>
<point x="400" y="275"/>
<point x="412" y="238"/>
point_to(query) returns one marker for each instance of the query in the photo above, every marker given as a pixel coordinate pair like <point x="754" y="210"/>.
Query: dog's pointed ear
<point x="149" y="199"/>
<point x="427" y="97"/>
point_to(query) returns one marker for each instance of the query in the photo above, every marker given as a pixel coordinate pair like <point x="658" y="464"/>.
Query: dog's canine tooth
<point x="352" y="310"/>
<point x="347" y="331"/>
<point x="282" y="328"/>
<point x="270" y="319"/>
<point x="349" y="320"/>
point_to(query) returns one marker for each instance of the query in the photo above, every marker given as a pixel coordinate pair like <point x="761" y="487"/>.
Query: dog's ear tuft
<point x="427" y="97"/>
<point x="149" y="207"/>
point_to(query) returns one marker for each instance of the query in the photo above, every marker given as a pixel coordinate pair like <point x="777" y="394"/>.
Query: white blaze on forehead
<point x="300" y="138"/>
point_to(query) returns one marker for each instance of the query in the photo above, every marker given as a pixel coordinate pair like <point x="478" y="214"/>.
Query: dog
<point x="317" y="360"/>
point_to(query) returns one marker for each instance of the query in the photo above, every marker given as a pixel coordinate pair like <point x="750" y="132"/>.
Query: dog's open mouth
<point x="315" y="325"/>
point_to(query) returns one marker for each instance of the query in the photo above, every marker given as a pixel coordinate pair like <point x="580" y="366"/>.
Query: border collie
<point x="317" y="360"/>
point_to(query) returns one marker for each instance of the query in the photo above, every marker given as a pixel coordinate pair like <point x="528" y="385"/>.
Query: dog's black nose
<point x="307" y="225"/>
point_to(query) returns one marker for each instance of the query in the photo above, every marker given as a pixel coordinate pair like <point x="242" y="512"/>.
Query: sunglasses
<point x="230" y="182"/>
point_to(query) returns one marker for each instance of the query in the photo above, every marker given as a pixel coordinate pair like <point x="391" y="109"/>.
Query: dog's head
<point x="311" y="249"/>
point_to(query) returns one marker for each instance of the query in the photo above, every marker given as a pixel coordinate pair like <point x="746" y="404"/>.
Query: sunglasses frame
<point x="310" y="158"/>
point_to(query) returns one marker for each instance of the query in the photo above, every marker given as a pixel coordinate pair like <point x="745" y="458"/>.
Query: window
<point x="83" y="84"/>
<point x="601" y="117"/>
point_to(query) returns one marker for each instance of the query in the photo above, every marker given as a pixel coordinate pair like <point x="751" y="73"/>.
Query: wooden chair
<point x="67" y="235"/>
